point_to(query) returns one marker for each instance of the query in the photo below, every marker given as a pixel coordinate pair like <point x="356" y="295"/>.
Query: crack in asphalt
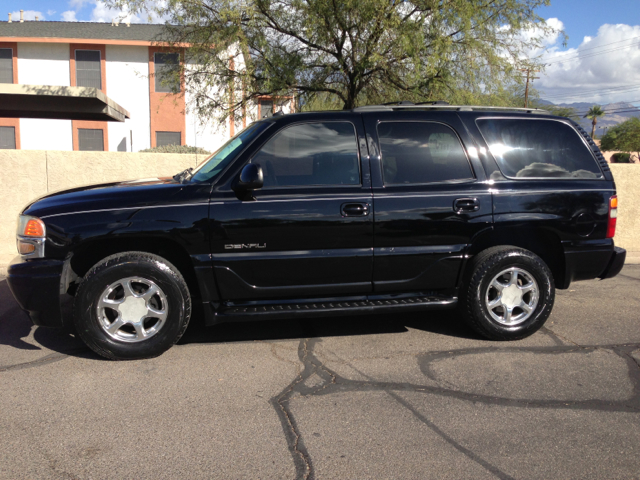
<point x="553" y="335"/>
<point x="332" y="382"/>
<point x="46" y="360"/>
<point x="627" y="276"/>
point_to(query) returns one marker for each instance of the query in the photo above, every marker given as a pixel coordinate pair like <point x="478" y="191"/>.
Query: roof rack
<point x="444" y="106"/>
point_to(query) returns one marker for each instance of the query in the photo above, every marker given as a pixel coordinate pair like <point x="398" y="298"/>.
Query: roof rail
<point x="443" y="106"/>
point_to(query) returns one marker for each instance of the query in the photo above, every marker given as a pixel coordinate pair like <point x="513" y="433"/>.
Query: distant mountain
<point x="615" y="113"/>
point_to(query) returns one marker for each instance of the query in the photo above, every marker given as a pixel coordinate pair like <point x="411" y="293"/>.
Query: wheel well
<point x="87" y="255"/>
<point x="543" y="243"/>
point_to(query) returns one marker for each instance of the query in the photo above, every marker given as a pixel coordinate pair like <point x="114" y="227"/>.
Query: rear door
<point x="430" y="199"/>
<point x="309" y="230"/>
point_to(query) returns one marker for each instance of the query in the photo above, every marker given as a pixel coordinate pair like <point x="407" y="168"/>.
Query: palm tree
<point x="593" y="113"/>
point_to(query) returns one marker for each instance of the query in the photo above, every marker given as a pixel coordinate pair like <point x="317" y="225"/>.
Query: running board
<point x="324" y="308"/>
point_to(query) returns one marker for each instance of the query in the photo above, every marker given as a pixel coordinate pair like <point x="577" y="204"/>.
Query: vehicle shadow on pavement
<point x="17" y="331"/>
<point x="444" y="323"/>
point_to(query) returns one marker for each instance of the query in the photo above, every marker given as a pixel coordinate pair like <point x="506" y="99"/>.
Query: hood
<point x="109" y="196"/>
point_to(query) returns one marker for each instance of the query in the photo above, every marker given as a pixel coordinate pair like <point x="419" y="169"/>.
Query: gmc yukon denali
<point x="389" y="208"/>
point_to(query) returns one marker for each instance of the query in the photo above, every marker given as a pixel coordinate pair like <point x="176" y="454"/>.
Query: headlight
<point x="31" y="236"/>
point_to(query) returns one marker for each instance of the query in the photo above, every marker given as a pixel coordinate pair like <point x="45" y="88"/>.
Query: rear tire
<point x="509" y="293"/>
<point x="132" y="305"/>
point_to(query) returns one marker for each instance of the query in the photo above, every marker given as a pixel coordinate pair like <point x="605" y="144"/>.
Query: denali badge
<point x="239" y="246"/>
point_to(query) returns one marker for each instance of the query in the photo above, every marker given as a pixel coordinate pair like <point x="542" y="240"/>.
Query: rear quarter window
<point x="538" y="148"/>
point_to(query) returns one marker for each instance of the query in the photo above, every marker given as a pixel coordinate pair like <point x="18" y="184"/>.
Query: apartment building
<point x="126" y="63"/>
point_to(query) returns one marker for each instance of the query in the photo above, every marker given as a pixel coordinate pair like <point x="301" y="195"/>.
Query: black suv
<point x="378" y="209"/>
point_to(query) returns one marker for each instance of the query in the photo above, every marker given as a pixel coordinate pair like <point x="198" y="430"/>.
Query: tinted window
<point x="167" y="138"/>
<point x="6" y="65"/>
<point x="311" y="154"/>
<point x="88" y="69"/>
<point x="163" y="64"/>
<point x="538" y="149"/>
<point x="213" y="165"/>
<point x="90" y="140"/>
<point x="421" y="152"/>
<point x="7" y="138"/>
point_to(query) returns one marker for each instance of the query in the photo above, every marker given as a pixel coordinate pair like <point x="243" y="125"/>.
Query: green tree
<point x="348" y="52"/>
<point x="593" y="114"/>
<point x="624" y="137"/>
<point x="560" y="111"/>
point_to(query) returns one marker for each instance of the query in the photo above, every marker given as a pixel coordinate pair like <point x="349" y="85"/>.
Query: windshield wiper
<point x="180" y="177"/>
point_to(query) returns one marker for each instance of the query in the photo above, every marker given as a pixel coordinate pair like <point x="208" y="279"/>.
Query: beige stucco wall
<point x="627" y="177"/>
<point x="30" y="174"/>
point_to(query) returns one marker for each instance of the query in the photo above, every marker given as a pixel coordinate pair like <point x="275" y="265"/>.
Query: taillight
<point x="613" y="216"/>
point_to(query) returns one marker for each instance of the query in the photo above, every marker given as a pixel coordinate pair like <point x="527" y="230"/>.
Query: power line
<point x="622" y="110"/>
<point x="609" y="111"/>
<point x="592" y="48"/>
<point x="592" y="54"/>
<point x="596" y="91"/>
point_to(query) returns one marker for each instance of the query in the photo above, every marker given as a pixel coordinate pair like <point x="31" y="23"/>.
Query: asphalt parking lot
<point x="406" y="397"/>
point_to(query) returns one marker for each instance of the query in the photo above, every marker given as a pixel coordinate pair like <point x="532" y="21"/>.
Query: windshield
<point x="213" y="165"/>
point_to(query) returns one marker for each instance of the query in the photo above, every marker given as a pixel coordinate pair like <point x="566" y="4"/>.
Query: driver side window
<point x="311" y="154"/>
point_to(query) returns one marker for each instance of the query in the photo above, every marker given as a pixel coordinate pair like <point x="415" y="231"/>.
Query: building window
<point x="88" y="72"/>
<point x="266" y="108"/>
<point x="164" y="63"/>
<point x="8" y="138"/>
<point x="90" y="140"/>
<point x="6" y="65"/>
<point x="168" y="138"/>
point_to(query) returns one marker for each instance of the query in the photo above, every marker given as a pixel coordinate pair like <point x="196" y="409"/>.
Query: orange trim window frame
<point x="167" y="111"/>
<point x="87" y="124"/>
<point x="12" y="122"/>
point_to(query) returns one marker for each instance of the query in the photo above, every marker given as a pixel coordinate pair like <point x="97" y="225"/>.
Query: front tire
<point x="132" y="305"/>
<point x="509" y="294"/>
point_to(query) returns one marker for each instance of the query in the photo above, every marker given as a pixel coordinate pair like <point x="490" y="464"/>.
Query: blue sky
<point x="599" y="64"/>
<point x="582" y="18"/>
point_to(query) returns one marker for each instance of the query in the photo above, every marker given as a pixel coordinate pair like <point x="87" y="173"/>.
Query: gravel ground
<point x="402" y="396"/>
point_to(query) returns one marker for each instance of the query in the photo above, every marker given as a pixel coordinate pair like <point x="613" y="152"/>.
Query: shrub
<point x="176" y="149"/>
<point x="621" y="158"/>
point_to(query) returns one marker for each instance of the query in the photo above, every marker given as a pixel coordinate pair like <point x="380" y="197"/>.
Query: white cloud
<point x="50" y="12"/>
<point x="28" y="15"/>
<point x="609" y="60"/>
<point x="69" y="16"/>
<point x="102" y="13"/>
<point x="78" y="4"/>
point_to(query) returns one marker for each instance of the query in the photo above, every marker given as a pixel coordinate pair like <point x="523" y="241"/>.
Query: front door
<point x="429" y="200"/>
<point x="309" y="231"/>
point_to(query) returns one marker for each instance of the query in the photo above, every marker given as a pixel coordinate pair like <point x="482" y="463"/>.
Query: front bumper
<point x="615" y="264"/>
<point x="36" y="286"/>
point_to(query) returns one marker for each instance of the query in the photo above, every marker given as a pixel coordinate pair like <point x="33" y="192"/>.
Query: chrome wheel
<point x="132" y="309"/>
<point x="512" y="296"/>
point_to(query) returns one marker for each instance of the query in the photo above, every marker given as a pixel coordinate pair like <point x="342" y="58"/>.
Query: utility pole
<point x="526" y="89"/>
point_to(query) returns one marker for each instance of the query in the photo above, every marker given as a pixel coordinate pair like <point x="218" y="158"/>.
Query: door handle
<point x="462" y="205"/>
<point x="354" y="209"/>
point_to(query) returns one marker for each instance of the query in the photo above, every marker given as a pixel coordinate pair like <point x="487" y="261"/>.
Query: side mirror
<point x="251" y="178"/>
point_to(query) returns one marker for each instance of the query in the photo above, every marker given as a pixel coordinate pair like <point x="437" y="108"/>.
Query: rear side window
<point x="532" y="148"/>
<point x="319" y="153"/>
<point x="421" y="152"/>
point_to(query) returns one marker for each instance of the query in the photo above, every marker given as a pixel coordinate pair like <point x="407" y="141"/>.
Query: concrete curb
<point x="633" y="258"/>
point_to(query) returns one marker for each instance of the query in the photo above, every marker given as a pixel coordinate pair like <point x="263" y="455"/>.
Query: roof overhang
<point x="61" y="103"/>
